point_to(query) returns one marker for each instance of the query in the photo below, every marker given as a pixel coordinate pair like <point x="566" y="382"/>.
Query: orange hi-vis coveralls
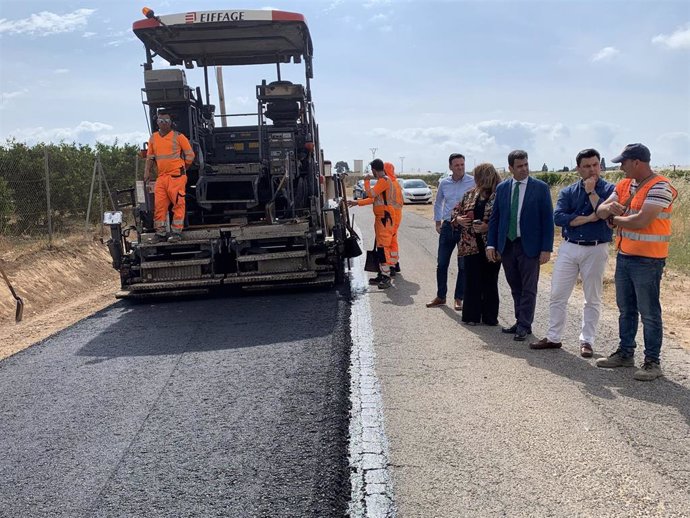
<point x="384" y="224"/>
<point x="173" y="155"/>
<point x="397" y="202"/>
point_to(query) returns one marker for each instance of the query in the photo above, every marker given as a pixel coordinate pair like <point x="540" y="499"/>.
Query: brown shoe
<point x="544" y="343"/>
<point x="458" y="305"/>
<point x="436" y="303"/>
<point x="586" y="350"/>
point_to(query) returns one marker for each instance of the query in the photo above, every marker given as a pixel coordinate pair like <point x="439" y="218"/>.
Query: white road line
<point x="372" y="490"/>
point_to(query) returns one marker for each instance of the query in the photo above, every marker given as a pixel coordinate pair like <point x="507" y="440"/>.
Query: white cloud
<point x="378" y="18"/>
<point x="605" y="54"/>
<point x="5" y="97"/>
<point x="46" y="23"/>
<point x="88" y="34"/>
<point x="680" y="39"/>
<point x="376" y="3"/>
<point x="333" y="5"/>
<point x="61" y="71"/>
<point x="672" y="147"/>
<point x="86" y="132"/>
<point x="386" y="28"/>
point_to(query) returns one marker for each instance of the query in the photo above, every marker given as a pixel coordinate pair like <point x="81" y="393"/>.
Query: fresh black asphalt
<point x="227" y="406"/>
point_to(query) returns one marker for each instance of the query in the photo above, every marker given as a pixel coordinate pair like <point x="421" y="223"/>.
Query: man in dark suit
<point x="521" y="235"/>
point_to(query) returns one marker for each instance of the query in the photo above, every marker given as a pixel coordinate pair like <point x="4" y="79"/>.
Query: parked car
<point x="416" y="191"/>
<point x="358" y="190"/>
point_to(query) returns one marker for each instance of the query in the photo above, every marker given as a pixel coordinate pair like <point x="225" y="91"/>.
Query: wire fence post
<point x="88" y="208"/>
<point x="100" y="190"/>
<point x="49" y="211"/>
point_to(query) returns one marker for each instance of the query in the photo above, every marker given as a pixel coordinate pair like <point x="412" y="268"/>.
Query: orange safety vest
<point x="171" y="152"/>
<point x="396" y="197"/>
<point x="651" y="241"/>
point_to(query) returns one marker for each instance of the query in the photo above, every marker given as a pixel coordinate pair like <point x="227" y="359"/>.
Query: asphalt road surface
<point x="207" y="407"/>
<point x="480" y="425"/>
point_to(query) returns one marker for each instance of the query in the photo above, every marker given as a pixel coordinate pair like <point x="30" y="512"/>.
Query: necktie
<point x="512" y="229"/>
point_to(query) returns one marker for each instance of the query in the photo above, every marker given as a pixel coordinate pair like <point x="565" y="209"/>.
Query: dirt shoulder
<point x="59" y="286"/>
<point x="74" y="279"/>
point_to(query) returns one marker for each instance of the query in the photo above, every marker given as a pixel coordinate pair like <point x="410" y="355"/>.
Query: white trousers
<point x="589" y="262"/>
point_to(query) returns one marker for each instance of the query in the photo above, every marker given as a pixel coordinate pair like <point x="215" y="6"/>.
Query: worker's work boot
<point x="175" y="237"/>
<point x="159" y="236"/>
<point x="385" y="282"/>
<point x="616" y="360"/>
<point x="375" y="280"/>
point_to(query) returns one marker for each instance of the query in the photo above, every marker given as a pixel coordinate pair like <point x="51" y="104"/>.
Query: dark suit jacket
<point x="536" y="218"/>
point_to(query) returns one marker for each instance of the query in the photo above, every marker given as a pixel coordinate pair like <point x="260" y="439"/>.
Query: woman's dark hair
<point x="486" y="178"/>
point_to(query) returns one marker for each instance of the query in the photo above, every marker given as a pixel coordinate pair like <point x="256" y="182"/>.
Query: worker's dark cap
<point x="634" y="152"/>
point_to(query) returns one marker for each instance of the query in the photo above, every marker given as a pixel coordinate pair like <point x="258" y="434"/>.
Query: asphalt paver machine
<point x="263" y="207"/>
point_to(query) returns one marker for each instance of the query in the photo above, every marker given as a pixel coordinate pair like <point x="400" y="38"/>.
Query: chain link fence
<point x="48" y="190"/>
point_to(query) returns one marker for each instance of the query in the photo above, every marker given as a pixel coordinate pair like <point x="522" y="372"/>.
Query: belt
<point x="585" y="243"/>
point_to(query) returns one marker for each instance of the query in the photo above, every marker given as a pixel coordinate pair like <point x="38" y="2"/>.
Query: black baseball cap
<point x="634" y="152"/>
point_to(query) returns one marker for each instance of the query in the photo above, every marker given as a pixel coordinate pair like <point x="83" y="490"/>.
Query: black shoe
<point x="385" y="283"/>
<point x="393" y="273"/>
<point x="397" y="268"/>
<point x="375" y="280"/>
<point x="520" y="335"/>
<point x="510" y="330"/>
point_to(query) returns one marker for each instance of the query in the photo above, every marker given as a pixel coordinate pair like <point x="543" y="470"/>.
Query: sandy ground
<point x="59" y="287"/>
<point x="74" y="279"/>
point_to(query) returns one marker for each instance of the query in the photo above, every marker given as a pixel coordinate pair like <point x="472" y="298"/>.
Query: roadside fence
<point x="49" y="190"/>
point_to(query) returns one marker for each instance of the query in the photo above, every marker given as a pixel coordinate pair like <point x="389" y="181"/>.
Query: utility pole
<point x="373" y="152"/>
<point x="402" y="161"/>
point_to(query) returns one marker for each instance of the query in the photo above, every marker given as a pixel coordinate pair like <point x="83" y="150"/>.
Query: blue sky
<point x="418" y="79"/>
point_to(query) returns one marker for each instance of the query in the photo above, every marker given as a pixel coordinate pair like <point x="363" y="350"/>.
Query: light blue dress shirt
<point x="449" y="195"/>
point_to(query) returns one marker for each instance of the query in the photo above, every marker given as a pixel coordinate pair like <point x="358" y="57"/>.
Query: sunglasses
<point x="168" y="121"/>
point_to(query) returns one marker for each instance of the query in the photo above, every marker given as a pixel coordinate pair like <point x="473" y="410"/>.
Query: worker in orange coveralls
<point x="380" y="197"/>
<point x="173" y="155"/>
<point x="397" y="202"/>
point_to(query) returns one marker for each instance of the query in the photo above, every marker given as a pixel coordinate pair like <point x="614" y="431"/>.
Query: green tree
<point x="342" y="167"/>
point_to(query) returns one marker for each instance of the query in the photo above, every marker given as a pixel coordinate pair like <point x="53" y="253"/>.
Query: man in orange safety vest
<point x="381" y="196"/>
<point x="173" y="154"/>
<point x="640" y="208"/>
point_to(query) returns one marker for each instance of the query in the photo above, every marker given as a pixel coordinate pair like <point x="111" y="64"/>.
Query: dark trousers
<point x="481" y="290"/>
<point x="522" y="274"/>
<point x="447" y="244"/>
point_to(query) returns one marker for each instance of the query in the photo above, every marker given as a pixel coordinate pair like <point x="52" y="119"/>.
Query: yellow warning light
<point x="148" y="12"/>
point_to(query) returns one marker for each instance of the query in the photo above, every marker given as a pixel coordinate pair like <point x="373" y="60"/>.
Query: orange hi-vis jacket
<point x="653" y="240"/>
<point x="396" y="198"/>
<point x="173" y="153"/>
<point x="378" y="196"/>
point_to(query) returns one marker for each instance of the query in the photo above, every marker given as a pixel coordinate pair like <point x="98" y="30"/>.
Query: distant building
<point x="359" y="168"/>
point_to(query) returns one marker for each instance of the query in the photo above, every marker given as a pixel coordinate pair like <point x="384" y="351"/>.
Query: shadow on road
<point x="402" y="292"/>
<point x="164" y="327"/>
<point x="606" y="384"/>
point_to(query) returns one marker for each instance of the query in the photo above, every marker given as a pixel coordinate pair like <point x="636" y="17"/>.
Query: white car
<point x="358" y="191"/>
<point x="416" y="191"/>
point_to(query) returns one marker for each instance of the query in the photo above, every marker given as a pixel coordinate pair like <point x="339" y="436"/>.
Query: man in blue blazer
<point x="521" y="235"/>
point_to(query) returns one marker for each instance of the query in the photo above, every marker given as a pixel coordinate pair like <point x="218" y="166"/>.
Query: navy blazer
<point x="536" y="218"/>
